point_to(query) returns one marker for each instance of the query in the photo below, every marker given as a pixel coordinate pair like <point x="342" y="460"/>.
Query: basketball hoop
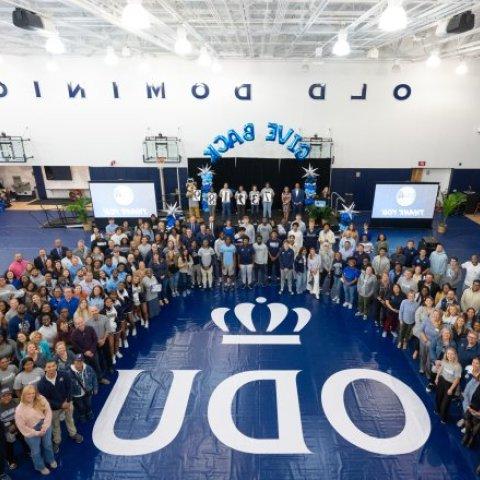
<point x="161" y="159"/>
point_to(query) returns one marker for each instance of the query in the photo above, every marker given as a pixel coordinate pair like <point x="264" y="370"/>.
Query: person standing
<point x="366" y="287"/>
<point x="241" y="201"/>
<point x="264" y="229"/>
<point x="298" y="199"/>
<point x="254" y="197"/>
<point x="84" y="385"/>
<point x="33" y="418"/>
<point x="245" y="253"/>
<point x="392" y="302"/>
<point x="56" y="387"/>
<point x="226" y="198"/>
<point x="301" y="271"/>
<point x="274" y="246"/>
<point x="286" y="201"/>
<point x="227" y="256"/>
<point x="212" y="202"/>
<point x="438" y="263"/>
<point x="267" y="200"/>
<point x="406" y="315"/>
<point x="350" y="276"/>
<point x="314" y="265"/>
<point x="206" y="254"/>
<point x="260" y="263"/>
<point x="286" y="260"/>
<point x="447" y="380"/>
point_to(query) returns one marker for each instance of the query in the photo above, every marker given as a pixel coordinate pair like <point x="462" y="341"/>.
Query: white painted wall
<point x="60" y="188"/>
<point x="440" y="175"/>
<point x="8" y="172"/>
<point x="438" y="124"/>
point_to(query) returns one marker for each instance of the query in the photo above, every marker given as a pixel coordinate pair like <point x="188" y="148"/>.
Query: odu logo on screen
<point x="289" y="438"/>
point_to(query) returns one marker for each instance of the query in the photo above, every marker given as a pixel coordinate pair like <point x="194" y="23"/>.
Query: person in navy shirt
<point x="69" y="302"/>
<point x="310" y="237"/>
<point x="245" y="254"/>
<point x="298" y="197"/>
<point x="410" y="253"/>
<point x="350" y="276"/>
<point x="273" y="246"/>
<point x="421" y="260"/>
<point x="286" y="259"/>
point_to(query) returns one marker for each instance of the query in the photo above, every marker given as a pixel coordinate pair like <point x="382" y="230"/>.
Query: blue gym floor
<point x="184" y="337"/>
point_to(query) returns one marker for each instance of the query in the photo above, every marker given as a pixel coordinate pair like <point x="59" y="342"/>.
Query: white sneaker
<point x="146" y="325"/>
<point x="317" y="296"/>
<point x="125" y="343"/>
<point x="460" y="422"/>
<point x="365" y="317"/>
<point x="394" y="334"/>
<point x="114" y="360"/>
<point x="350" y="306"/>
<point x="345" y="304"/>
<point x="358" y="314"/>
<point x="127" y="333"/>
<point x="119" y="355"/>
<point x="463" y="430"/>
<point x="384" y="334"/>
<point x="134" y="332"/>
<point x="291" y="292"/>
<point x="142" y="322"/>
<point x="280" y="292"/>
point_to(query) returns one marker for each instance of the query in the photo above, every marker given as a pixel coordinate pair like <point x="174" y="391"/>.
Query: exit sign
<point x="422" y="163"/>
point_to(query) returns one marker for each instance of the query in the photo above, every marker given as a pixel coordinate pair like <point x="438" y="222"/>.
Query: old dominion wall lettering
<point x="201" y="91"/>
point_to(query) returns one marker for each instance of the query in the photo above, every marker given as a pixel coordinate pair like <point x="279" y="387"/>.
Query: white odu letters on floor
<point x="417" y="422"/>
<point x="290" y="434"/>
<point x="104" y="436"/>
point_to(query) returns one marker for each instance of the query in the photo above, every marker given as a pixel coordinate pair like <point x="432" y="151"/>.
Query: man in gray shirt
<point x="101" y="325"/>
<point x="264" y="229"/>
<point x="260" y="261"/>
<point x="8" y="372"/>
<point x="8" y="291"/>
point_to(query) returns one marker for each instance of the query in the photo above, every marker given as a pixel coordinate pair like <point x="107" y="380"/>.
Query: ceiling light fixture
<point x="54" y="45"/>
<point x="341" y="46"/>
<point x="394" y="17"/>
<point x="434" y="60"/>
<point x="135" y="17"/>
<point x="204" y="59"/>
<point x="111" y="58"/>
<point x="462" y="68"/>
<point x="182" y="44"/>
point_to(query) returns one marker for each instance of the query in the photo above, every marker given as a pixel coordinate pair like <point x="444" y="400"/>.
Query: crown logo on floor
<point x="278" y="313"/>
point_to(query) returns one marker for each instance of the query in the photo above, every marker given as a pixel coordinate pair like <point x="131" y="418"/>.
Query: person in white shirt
<point x="241" y="201"/>
<point x="314" y="265"/>
<point x="118" y="236"/>
<point x="211" y="202"/>
<point x="298" y="235"/>
<point x="254" y="197"/>
<point x="249" y="229"/>
<point x="472" y="271"/>
<point x="226" y="198"/>
<point x="267" y="199"/>
<point x="301" y="224"/>
<point x="326" y="235"/>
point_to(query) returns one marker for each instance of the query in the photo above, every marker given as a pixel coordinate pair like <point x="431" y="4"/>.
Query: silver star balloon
<point x="205" y="169"/>
<point x="348" y="210"/>
<point x="172" y="209"/>
<point x="310" y="171"/>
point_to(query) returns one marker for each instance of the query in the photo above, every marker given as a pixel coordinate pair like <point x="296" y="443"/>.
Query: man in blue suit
<point x="298" y="198"/>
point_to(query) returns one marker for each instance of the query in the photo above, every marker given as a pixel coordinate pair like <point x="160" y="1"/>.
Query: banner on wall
<point x="275" y="132"/>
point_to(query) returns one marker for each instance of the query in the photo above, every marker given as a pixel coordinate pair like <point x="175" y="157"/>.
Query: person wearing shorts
<point x="227" y="252"/>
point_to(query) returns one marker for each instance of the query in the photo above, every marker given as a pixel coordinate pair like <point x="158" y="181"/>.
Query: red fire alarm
<point x="422" y="163"/>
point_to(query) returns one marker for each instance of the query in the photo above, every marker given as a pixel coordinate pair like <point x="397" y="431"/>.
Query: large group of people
<point x="67" y="315"/>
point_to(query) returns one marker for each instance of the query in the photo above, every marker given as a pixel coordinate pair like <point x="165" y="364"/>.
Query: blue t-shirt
<point x="228" y="252"/>
<point x="351" y="273"/>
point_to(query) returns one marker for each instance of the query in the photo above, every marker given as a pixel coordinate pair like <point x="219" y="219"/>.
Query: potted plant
<point x="320" y="214"/>
<point x="451" y="203"/>
<point x="79" y="208"/>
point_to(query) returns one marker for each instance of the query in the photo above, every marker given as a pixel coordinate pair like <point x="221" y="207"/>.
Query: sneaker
<point x="399" y="345"/>
<point x="280" y="292"/>
<point x="345" y="304"/>
<point x="77" y="438"/>
<point x="45" y="471"/>
<point x="165" y="300"/>
<point x="55" y="447"/>
<point x="460" y="423"/>
<point x="54" y="464"/>
<point x="317" y="296"/>
<point x="428" y="389"/>
<point x="119" y="355"/>
<point x="394" y="334"/>
<point x="291" y="292"/>
<point x="142" y="322"/>
<point x="114" y="361"/>
<point x="125" y="343"/>
<point x="404" y="346"/>
<point x="358" y="314"/>
<point x="104" y="381"/>
<point x="384" y="334"/>
<point x="146" y="324"/>
<point x="350" y="306"/>
<point x="11" y="466"/>
<point x="365" y="317"/>
<point x="463" y="430"/>
<point x="250" y="287"/>
<point x="134" y="332"/>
